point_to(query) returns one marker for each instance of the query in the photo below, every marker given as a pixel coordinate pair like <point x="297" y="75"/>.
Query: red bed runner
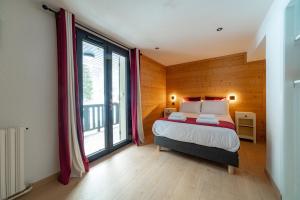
<point x="222" y="124"/>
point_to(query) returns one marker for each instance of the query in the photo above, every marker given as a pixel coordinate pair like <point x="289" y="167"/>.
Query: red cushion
<point x="192" y="98"/>
<point x="214" y="98"/>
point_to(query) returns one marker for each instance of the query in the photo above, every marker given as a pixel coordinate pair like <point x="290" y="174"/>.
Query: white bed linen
<point x="210" y="136"/>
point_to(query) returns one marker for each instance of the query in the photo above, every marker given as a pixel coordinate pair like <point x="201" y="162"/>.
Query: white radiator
<point x="11" y="161"/>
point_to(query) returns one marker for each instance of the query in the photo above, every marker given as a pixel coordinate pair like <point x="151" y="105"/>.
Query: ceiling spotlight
<point x="156" y="48"/>
<point x="219" y="29"/>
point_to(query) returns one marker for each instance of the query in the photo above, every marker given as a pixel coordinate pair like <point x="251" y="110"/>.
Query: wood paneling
<point x="153" y="92"/>
<point x="220" y="77"/>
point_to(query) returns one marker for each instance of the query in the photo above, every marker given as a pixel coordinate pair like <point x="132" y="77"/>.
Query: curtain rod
<point x="45" y="7"/>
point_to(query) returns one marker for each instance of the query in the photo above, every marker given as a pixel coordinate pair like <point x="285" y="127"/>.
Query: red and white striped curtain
<point x="136" y="106"/>
<point x="73" y="162"/>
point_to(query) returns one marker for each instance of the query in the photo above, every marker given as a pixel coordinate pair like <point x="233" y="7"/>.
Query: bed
<point x="214" y="143"/>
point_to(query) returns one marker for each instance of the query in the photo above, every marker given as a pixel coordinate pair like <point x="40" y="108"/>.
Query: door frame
<point x="82" y="35"/>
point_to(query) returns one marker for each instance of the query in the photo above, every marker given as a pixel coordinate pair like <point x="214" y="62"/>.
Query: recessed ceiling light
<point x="156" y="48"/>
<point x="220" y="29"/>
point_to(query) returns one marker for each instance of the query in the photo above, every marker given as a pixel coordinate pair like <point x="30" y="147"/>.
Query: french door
<point x="103" y="71"/>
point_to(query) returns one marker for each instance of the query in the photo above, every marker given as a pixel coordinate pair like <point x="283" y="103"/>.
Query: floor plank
<point x="144" y="173"/>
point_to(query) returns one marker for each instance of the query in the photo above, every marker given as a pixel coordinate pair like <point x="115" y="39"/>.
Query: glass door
<point x="103" y="81"/>
<point x="119" y="97"/>
<point x="93" y="97"/>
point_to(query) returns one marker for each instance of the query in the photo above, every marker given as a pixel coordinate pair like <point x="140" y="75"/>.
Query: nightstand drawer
<point x="245" y="115"/>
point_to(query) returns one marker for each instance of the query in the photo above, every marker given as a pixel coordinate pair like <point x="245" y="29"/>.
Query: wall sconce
<point x="173" y="99"/>
<point x="232" y="98"/>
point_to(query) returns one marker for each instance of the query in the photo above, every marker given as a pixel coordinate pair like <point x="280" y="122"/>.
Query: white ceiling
<point x="185" y="30"/>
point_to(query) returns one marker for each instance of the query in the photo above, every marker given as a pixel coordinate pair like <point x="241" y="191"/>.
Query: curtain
<point x="136" y="107"/>
<point x="73" y="162"/>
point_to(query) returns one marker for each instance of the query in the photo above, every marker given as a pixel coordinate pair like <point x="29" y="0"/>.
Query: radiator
<point x="11" y="162"/>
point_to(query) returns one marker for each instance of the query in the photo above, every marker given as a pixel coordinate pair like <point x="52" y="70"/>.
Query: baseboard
<point x="276" y="189"/>
<point x="17" y="195"/>
<point x="46" y="180"/>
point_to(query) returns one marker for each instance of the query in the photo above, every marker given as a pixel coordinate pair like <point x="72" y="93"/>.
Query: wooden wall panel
<point x="220" y="77"/>
<point x="153" y="93"/>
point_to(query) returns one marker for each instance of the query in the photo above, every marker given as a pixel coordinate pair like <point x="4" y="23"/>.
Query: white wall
<point x="28" y="82"/>
<point x="278" y="138"/>
<point x="257" y="52"/>
<point x="274" y="95"/>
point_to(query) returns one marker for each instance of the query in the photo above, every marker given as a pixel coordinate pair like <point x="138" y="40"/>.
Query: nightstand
<point x="168" y="111"/>
<point x="246" y="125"/>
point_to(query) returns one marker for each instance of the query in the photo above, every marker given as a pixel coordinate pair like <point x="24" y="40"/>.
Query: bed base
<point x="230" y="159"/>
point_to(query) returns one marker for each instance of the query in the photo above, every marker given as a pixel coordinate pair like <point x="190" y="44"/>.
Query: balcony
<point x="94" y="127"/>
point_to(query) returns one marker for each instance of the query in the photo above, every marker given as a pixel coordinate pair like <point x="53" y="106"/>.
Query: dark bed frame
<point x="230" y="159"/>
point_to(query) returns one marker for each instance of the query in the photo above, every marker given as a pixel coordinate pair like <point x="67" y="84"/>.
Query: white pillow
<point x="190" y="107"/>
<point x="215" y="107"/>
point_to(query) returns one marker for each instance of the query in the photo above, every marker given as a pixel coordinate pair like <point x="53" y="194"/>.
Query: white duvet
<point x="210" y="136"/>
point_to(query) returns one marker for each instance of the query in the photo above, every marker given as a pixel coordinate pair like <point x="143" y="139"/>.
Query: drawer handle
<point x="246" y="116"/>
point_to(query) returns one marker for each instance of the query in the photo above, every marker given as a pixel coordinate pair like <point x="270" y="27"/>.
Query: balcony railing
<point x="94" y="116"/>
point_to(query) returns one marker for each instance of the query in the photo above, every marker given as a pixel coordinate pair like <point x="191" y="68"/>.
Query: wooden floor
<point x="144" y="173"/>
